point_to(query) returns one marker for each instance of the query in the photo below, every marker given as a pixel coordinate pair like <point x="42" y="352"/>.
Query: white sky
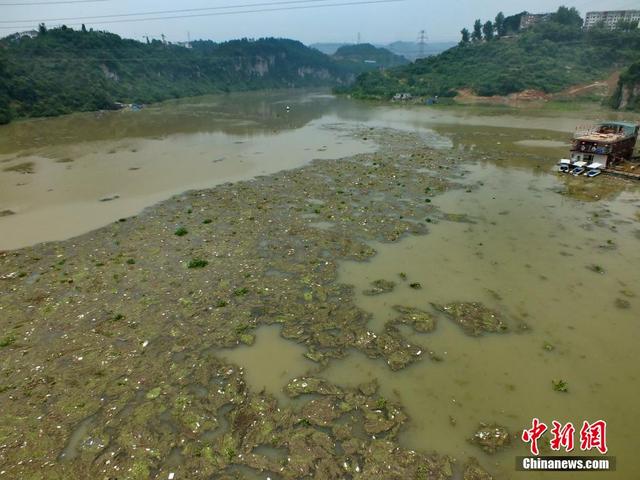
<point x="376" y="23"/>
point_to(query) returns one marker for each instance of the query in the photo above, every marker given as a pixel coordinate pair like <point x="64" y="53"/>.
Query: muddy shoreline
<point x="112" y="340"/>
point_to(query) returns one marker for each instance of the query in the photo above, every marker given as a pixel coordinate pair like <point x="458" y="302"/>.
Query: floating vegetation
<point x="379" y="287"/>
<point x="622" y="304"/>
<point x="491" y="437"/>
<point x="181" y="232"/>
<point x="7" y="340"/>
<point x="6" y="213"/>
<point x="474" y="318"/>
<point x="24" y="168"/>
<point x="560" y="386"/>
<point x="197" y="263"/>
<point x="421" y="321"/>
<point x="456" y="217"/>
<point x="595" y="268"/>
<point x="138" y="349"/>
<point x="415" y="286"/>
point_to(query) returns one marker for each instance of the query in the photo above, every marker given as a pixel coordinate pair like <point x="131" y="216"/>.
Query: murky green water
<point x="65" y="176"/>
<point x="524" y="250"/>
<point x="557" y="254"/>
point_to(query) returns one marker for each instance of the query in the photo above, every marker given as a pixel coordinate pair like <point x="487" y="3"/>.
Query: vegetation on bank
<point x="627" y="93"/>
<point x="550" y="56"/>
<point x="61" y="70"/>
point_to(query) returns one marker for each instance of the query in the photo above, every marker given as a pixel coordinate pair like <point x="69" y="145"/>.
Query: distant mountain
<point x="58" y="71"/>
<point x="409" y="50"/>
<point x="328" y="48"/>
<point x="413" y="50"/>
<point x="364" y="57"/>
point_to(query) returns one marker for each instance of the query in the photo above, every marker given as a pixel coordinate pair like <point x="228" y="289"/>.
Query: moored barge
<point x="606" y="146"/>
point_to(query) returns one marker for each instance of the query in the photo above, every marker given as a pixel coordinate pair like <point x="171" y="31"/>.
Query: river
<point x="557" y="256"/>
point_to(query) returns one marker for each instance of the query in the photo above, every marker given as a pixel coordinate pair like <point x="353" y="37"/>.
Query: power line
<point x="163" y="12"/>
<point x="62" y="2"/>
<point x="239" y="12"/>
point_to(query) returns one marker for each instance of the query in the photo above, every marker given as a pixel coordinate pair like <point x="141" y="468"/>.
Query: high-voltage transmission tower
<point x="422" y="42"/>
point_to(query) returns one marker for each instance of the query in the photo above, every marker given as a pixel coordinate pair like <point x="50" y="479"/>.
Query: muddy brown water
<point x="525" y="250"/>
<point x="86" y="170"/>
<point x="548" y="251"/>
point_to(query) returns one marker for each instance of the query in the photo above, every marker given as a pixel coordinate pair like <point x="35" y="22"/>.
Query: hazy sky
<point x="376" y="23"/>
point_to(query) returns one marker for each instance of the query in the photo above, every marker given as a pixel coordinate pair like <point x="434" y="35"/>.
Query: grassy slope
<point x="549" y="58"/>
<point x="65" y="70"/>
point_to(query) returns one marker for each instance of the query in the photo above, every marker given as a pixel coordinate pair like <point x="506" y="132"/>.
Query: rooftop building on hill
<point x="611" y="18"/>
<point x="529" y="19"/>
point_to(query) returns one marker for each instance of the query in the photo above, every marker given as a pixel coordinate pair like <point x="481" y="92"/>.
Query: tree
<point x="465" y="36"/>
<point x="477" y="31"/>
<point x="487" y="29"/>
<point x="568" y="16"/>
<point x="626" y="26"/>
<point x="84" y="29"/>
<point x="42" y="29"/>
<point x="501" y="29"/>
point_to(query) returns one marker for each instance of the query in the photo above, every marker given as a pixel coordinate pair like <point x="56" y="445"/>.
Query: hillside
<point x="549" y="57"/>
<point x="364" y="56"/>
<point x="62" y="70"/>
<point x="627" y="94"/>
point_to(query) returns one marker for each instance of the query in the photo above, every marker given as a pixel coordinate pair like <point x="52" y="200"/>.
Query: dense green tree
<point x="626" y="26"/>
<point x="487" y="30"/>
<point x="500" y="25"/>
<point x="568" y="16"/>
<point x="5" y="111"/>
<point x="466" y="36"/>
<point x="549" y="57"/>
<point x="511" y="23"/>
<point x="477" y="31"/>
<point x="67" y="70"/>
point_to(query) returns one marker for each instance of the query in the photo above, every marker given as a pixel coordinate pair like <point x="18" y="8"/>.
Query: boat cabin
<point x="606" y="143"/>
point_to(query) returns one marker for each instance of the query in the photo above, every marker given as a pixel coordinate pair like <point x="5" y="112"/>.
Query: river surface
<point x="550" y="252"/>
<point x="65" y="176"/>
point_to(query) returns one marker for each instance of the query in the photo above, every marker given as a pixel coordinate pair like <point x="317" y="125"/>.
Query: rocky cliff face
<point x="102" y="69"/>
<point x="627" y="94"/>
<point x="630" y="93"/>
